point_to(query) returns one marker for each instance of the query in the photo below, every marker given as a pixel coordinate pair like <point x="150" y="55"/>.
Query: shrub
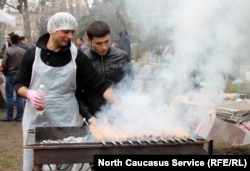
<point x="241" y="88"/>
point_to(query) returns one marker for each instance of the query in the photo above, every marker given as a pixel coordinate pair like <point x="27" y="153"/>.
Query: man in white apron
<point x="56" y="63"/>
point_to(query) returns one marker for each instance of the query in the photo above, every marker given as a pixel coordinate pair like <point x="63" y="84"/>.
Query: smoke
<point x="208" y="41"/>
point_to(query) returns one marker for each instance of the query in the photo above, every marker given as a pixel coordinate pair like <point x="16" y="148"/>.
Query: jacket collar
<point x="42" y="43"/>
<point x="97" y="55"/>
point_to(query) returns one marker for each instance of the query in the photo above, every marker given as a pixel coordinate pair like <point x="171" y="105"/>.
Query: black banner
<point x="162" y="162"/>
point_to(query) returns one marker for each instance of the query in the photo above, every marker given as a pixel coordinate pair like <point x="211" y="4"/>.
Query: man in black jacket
<point x="111" y="63"/>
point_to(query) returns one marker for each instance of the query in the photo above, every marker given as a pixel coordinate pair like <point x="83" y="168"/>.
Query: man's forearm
<point x="22" y="91"/>
<point x="110" y="96"/>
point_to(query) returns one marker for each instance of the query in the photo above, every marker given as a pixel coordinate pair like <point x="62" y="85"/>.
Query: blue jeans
<point x="9" y="90"/>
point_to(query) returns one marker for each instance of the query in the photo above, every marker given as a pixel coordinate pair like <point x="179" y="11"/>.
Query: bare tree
<point x="22" y="7"/>
<point x="111" y="11"/>
<point x="40" y="13"/>
<point x="2" y="2"/>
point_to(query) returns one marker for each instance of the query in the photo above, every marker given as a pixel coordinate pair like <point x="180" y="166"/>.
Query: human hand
<point x="92" y="120"/>
<point x="36" y="98"/>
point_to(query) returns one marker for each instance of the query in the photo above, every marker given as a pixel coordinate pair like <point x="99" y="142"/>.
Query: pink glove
<point x="36" y="98"/>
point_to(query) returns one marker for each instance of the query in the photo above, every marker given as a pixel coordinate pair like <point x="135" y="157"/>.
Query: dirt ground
<point x="11" y="146"/>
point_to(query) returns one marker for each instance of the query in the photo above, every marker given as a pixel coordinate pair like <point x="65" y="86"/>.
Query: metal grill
<point x="57" y="153"/>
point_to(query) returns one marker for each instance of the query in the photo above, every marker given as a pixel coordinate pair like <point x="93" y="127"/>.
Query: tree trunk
<point x="26" y="23"/>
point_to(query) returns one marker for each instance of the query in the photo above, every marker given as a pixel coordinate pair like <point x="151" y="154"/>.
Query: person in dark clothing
<point x="23" y="42"/>
<point x="111" y="63"/>
<point x="8" y="39"/>
<point x="56" y="63"/>
<point x="10" y="64"/>
<point x="3" y="50"/>
<point x="81" y="44"/>
<point x="124" y="42"/>
<point x="7" y="44"/>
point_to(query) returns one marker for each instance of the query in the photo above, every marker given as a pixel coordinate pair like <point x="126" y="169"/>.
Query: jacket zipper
<point x="103" y="69"/>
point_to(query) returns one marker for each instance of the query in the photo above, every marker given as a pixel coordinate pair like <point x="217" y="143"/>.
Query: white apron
<point x="61" y="107"/>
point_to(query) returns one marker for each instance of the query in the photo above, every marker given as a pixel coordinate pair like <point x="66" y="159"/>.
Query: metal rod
<point x="164" y="140"/>
<point x="113" y="142"/>
<point x="184" y="139"/>
<point x="120" y="142"/>
<point x="84" y="120"/>
<point x="137" y="140"/>
<point x="171" y="139"/>
<point x="131" y="142"/>
<point x="148" y="141"/>
<point x="155" y="140"/>
<point x="195" y="140"/>
<point x="210" y="147"/>
<point x="177" y="139"/>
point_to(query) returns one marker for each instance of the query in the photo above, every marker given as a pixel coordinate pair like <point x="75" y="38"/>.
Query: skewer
<point x="113" y="142"/>
<point x="96" y="133"/>
<point x="193" y="139"/>
<point x="137" y="140"/>
<point x="164" y="140"/>
<point x="120" y="142"/>
<point x="148" y="141"/>
<point x="177" y="139"/>
<point x="155" y="140"/>
<point x="131" y="142"/>
<point x="84" y="120"/>
<point x="171" y="139"/>
<point x="185" y="139"/>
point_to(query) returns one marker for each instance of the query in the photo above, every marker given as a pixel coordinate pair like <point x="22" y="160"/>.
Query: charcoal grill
<point x="57" y="153"/>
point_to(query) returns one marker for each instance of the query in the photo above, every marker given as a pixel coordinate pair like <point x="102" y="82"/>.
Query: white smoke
<point x="208" y="36"/>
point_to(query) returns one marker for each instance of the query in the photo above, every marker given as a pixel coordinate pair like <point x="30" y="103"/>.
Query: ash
<point x="70" y="139"/>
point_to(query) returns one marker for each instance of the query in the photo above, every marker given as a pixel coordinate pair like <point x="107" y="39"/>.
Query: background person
<point x="5" y="46"/>
<point x="10" y="64"/>
<point x="23" y="42"/>
<point x="56" y="63"/>
<point x="81" y="44"/>
<point x="124" y="42"/>
<point x="8" y="42"/>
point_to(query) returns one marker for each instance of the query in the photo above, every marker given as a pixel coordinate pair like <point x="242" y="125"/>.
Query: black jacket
<point x="113" y="67"/>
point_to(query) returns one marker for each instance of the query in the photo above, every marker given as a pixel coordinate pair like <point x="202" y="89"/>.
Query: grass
<point x="242" y="88"/>
<point x="238" y="150"/>
<point x="7" y="161"/>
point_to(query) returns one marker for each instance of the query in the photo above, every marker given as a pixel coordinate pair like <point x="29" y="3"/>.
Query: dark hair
<point x="80" y="38"/>
<point x="14" y="39"/>
<point x="98" y="29"/>
<point x="10" y="34"/>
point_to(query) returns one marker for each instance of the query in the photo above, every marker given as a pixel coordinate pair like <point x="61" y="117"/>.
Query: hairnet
<point x="61" y="21"/>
